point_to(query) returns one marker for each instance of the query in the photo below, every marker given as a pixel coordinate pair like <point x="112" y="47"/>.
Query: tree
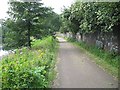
<point x="71" y="22"/>
<point x="28" y="12"/>
<point x="26" y="20"/>
<point x="90" y="17"/>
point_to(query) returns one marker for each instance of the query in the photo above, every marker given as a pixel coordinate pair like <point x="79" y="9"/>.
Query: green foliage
<point x="12" y="32"/>
<point x="50" y="24"/>
<point x="90" y="17"/>
<point x="69" y="22"/>
<point x="0" y="30"/>
<point x="93" y="16"/>
<point x="28" y="19"/>
<point x="30" y="68"/>
<point x="0" y="36"/>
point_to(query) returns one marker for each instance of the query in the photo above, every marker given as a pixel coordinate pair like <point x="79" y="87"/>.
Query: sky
<point x="56" y="4"/>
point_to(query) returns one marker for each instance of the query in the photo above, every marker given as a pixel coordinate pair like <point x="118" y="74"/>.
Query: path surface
<point x="76" y="70"/>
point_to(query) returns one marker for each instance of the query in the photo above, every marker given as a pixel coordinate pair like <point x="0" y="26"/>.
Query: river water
<point x="2" y="53"/>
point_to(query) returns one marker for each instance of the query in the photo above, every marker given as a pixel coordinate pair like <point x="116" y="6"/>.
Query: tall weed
<point x="30" y="68"/>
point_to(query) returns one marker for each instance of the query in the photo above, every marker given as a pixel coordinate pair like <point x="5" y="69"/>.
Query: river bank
<point x="3" y="53"/>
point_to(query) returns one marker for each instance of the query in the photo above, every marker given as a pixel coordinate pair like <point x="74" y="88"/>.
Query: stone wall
<point x="106" y="41"/>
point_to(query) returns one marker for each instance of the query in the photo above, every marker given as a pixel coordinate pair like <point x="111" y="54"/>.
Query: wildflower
<point x="41" y="54"/>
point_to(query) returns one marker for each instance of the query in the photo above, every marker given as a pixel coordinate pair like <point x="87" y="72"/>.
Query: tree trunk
<point x="3" y="37"/>
<point x="118" y="38"/>
<point x="81" y="34"/>
<point x="29" y="42"/>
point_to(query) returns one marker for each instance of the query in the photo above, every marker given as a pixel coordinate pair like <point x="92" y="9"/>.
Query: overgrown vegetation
<point x="109" y="61"/>
<point x="26" y="20"/>
<point x="88" y="18"/>
<point x="92" y="17"/>
<point x="32" y="64"/>
<point x="30" y="68"/>
<point x="0" y="36"/>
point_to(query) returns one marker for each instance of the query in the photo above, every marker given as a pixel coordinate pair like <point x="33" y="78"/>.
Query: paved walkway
<point x="76" y="70"/>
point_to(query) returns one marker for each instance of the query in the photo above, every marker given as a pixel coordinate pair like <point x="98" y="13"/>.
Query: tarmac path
<point x="77" y="70"/>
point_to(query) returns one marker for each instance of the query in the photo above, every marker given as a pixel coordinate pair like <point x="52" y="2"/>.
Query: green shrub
<point x="30" y="68"/>
<point x="103" y="55"/>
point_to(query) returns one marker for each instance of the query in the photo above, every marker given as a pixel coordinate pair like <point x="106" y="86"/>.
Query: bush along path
<point x="30" y="68"/>
<point x="77" y="70"/>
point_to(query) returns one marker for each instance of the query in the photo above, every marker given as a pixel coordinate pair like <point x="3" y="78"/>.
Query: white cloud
<point x="56" y="4"/>
<point x="3" y="8"/>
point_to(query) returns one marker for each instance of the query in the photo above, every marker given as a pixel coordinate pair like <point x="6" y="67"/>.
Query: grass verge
<point x="106" y="60"/>
<point x="30" y="68"/>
